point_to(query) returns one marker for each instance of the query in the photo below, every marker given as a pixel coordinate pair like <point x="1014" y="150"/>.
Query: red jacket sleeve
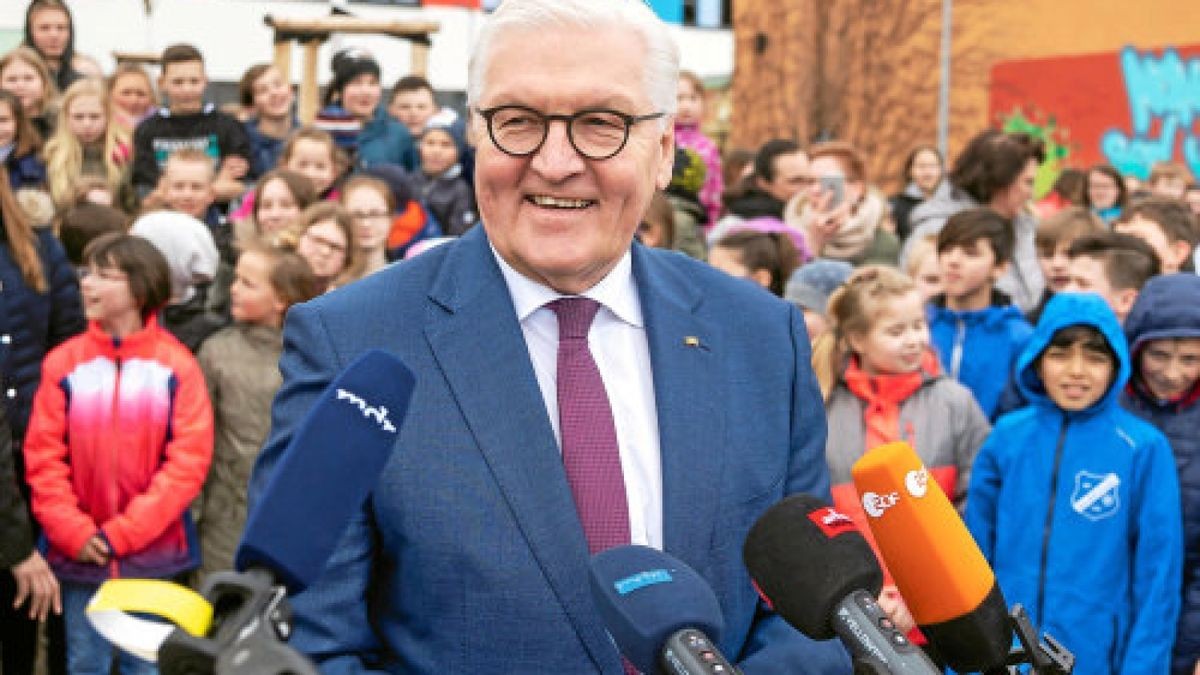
<point x="184" y="468"/>
<point x="55" y="504"/>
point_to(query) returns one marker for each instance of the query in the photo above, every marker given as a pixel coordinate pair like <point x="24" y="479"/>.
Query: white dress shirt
<point x="617" y="340"/>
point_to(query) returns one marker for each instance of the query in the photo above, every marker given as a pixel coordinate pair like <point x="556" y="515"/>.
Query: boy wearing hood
<point x="440" y="183"/>
<point x="1164" y="336"/>
<point x="1095" y="559"/>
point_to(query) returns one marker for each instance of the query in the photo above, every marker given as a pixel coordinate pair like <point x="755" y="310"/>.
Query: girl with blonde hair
<point x="85" y="143"/>
<point x="882" y="383"/>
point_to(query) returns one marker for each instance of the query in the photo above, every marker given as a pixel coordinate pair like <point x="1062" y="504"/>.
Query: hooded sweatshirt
<point x="978" y="347"/>
<point x="1078" y="512"/>
<point x="1169" y="307"/>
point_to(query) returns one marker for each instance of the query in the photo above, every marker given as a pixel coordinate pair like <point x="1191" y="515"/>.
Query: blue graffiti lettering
<point x="1167" y="89"/>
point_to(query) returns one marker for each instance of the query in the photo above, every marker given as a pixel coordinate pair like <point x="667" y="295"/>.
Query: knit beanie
<point x="811" y="285"/>
<point x="187" y="245"/>
<point x="348" y="64"/>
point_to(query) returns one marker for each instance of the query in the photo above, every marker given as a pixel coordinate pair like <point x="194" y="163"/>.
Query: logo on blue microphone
<point x="377" y="413"/>
<point x="641" y="580"/>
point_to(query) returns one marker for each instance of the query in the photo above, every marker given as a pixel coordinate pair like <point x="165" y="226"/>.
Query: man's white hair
<point x="662" y="54"/>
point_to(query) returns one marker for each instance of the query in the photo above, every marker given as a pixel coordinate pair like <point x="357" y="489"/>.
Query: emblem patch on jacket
<point x="1096" y="496"/>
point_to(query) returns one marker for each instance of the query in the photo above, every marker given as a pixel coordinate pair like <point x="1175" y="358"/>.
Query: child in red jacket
<point x="119" y="443"/>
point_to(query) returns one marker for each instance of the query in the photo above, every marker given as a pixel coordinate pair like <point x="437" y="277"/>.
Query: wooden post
<point x="283" y="59"/>
<point x="420" y="59"/>
<point x="312" y="33"/>
<point x="309" y="90"/>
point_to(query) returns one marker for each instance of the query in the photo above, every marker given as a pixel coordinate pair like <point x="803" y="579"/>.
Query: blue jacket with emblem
<point x="1095" y="559"/>
<point x="1169" y="307"/>
<point x="978" y="347"/>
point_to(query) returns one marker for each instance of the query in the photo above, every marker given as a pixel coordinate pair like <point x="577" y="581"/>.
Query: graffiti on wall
<point x="1130" y="108"/>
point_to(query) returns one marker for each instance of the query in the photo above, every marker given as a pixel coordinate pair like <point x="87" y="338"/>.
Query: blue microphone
<point x="324" y="476"/>
<point x="661" y="614"/>
<point x="327" y="471"/>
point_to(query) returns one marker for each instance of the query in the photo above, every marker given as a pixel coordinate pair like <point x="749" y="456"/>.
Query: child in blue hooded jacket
<point x="1163" y="329"/>
<point x="1095" y="559"/>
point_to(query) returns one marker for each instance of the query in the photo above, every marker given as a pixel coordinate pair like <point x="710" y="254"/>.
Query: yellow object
<point x="109" y="610"/>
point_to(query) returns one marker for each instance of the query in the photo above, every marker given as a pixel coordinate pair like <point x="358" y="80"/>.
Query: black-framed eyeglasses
<point x="595" y="133"/>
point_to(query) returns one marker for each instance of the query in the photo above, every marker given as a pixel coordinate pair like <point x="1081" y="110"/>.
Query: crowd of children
<point x="1044" y="362"/>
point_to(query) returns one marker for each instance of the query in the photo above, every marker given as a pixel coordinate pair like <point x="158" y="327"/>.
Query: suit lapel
<point x="685" y="351"/>
<point x="477" y="341"/>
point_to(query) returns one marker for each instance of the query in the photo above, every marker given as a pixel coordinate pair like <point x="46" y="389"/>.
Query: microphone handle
<point x="866" y="630"/>
<point x="690" y="652"/>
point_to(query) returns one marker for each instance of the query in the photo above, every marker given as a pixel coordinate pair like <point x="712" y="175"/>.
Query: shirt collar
<point x="616" y="291"/>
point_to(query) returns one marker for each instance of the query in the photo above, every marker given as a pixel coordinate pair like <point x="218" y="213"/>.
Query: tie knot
<point x="575" y="316"/>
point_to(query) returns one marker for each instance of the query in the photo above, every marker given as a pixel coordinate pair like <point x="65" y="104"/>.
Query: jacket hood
<point x="1065" y="310"/>
<point x="1167" y="307"/>
<point x="1000" y="310"/>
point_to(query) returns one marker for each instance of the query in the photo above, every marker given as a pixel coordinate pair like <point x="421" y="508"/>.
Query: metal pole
<point x="944" y="87"/>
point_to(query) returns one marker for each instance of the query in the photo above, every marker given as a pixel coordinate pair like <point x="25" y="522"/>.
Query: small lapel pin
<point x="691" y="341"/>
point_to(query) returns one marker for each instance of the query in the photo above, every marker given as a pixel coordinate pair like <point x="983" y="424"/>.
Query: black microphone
<point x="816" y="570"/>
<point x="324" y="476"/>
<point x="661" y="614"/>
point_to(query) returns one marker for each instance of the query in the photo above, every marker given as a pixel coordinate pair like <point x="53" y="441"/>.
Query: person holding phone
<point x="841" y="216"/>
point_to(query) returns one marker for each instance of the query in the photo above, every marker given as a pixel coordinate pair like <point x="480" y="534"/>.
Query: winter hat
<point x="348" y="64"/>
<point x="1168" y="306"/>
<point x="186" y="244"/>
<point x="451" y="127"/>
<point x="811" y="285"/>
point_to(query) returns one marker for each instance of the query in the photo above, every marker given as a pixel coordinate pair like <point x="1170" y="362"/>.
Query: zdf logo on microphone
<point x="917" y="482"/>
<point x="875" y="504"/>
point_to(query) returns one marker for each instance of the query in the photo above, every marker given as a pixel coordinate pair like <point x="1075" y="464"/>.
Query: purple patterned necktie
<point x="589" y="436"/>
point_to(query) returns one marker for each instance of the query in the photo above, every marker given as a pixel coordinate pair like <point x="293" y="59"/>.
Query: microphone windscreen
<point x="945" y="581"/>
<point x="805" y="558"/>
<point x="644" y="596"/>
<point x="327" y="471"/>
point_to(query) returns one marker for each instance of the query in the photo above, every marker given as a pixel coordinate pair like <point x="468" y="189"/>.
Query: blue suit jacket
<point x="469" y="557"/>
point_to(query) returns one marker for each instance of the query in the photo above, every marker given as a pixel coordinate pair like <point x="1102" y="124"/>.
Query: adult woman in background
<point x="997" y="170"/>
<point x="924" y="170"/>
<point x="39" y="308"/>
<point x="841" y="215"/>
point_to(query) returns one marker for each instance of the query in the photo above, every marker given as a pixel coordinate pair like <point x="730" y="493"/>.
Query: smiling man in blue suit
<point x="575" y="390"/>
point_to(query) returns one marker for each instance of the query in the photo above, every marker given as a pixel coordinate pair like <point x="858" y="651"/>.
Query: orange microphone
<point x="946" y="582"/>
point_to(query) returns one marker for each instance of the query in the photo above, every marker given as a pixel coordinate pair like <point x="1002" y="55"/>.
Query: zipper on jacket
<point x="113" y="569"/>
<point x="1058" y="453"/>
<point x="956" y="353"/>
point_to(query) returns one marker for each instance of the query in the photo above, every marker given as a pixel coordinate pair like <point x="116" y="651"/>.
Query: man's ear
<point x="666" y="163"/>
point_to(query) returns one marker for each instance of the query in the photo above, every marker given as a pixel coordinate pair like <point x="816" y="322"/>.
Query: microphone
<point x="327" y="471"/>
<point x="662" y="615"/>
<point x="325" y="475"/>
<point x="946" y="582"/>
<point x="816" y="570"/>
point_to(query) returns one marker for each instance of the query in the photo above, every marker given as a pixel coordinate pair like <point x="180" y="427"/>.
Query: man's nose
<point x="557" y="158"/>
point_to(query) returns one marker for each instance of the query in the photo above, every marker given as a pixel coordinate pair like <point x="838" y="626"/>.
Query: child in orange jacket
<point x="119" y="443"/>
